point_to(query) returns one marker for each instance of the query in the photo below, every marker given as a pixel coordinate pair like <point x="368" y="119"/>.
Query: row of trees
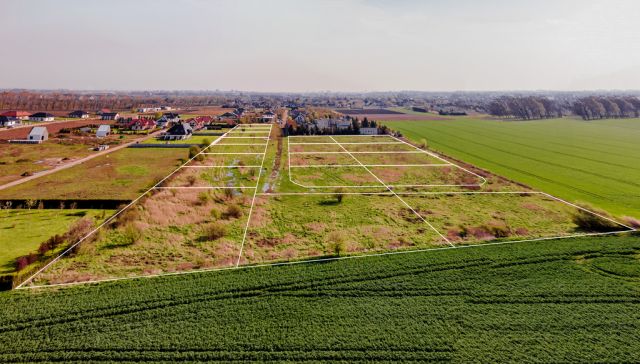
<point x="526" y="108"/>
<point x="590" y="108"/>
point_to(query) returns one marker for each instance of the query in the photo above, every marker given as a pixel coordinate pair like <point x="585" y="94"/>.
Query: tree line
<point x="588" y="108"/>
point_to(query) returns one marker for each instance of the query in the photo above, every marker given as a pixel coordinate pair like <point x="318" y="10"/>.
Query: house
<point x="166" y="108"/>
<point x="171" y="117"/>
<point x="41" y="116"/>
<point x="148" y="109"/>
<point x="178" y="131"/>
<point x="228" y="116"/>
<point x="102" y="111"/>
<point x="199" y="122"/>
<point x="300" y="118"/>
<point x="267" y="117"/>
<point x="20" y="115"/>
<point x="342" y="124"/>
<point x="9" y="121"/>
<point x="103" y="131"/>
<point x="239" y="111"/>
<point x="38" y="134"/>
<point x="109" y="116"/>
<point x="323" y="123"/>
<point x="368" y="131"/>
<point x="142" y="124"/>
<point x="79" y="114"/>
<point x="101" y="147"/>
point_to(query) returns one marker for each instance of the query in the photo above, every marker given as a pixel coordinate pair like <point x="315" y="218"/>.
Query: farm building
<point x="228" y="116"/>
<point x="148" y="109"/>
<point x="179" y="131"/>
<point x="21" y="115"/>
<point x="368" y="131"/>
<point x="109" y="116"/>
<point x="79" y="114"/>
<point x="103" y="131"/>
<point x="38" y="134"/>
<point x="41" y="116"/>
<point x="9" y="121"/>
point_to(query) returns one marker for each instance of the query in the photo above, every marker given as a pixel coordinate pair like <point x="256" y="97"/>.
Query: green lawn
<point x="588" y="161"/>
<point x="555" y="301"/>
<point x="22" y="231"/>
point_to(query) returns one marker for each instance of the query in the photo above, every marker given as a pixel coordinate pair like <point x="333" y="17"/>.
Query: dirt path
<point x="76" y="162"/>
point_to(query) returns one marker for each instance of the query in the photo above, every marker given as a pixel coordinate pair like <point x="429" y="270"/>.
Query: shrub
<point x="339" y="194"/>
<point x="423" y="143"/>
<point x="337" y="243"/>
<point x="193" y="151"/>
<point x="203" y="198"/>
<point x="233" y="211"/>
<point x="130" y="234"/>
<point x="228" y="193"/>
<point x="191" y="180"/>
<point x="214" y="231"/>
<point x="588" y="221"/>
<point x="216" y="214"/>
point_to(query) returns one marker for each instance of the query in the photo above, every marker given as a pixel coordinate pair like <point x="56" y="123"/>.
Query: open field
<point x="589" y="161"/>
<point x="34" y="227"/>
<point x="570" y="300"/>
<point x="123" y="174"/>
<point x="287" y="211"/>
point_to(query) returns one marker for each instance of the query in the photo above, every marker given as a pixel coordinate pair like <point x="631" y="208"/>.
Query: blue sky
<point x="308" y="45"/>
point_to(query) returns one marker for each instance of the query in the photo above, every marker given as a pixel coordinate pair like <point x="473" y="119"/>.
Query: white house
<point x="109" y="116"/>
<point x="342" y="124"/>
<point x="323" y="123"/>
<point x="267" y="117"/>
<point x="368" y="131"/>
<point x="38" y="134"/>
<point x="9" y="121"/>
<point x="41" y="116"/>
<point x="103" y="131"/>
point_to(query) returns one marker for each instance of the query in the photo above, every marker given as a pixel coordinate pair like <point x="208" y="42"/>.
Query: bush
<point x="588" y="221"/>
<point x="193" y="151"/>
<point x="214" y="231"/>
<point x="339" y="194"/>
<point x="203" y="198"/>
<point x="337" y="243"/>
<point x="131" y="234"/>
<point x="233" y="211"/>
<point x="191" y="180"/>
<point x="423" y="143"/>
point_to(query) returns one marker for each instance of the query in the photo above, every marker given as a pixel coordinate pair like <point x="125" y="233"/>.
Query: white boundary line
<point x="221" y="167"/>
<point x="202" y="187"/>
<point x="253" y="200"/>
<point x="107" y="221"/>
<point x="630" y="229"/>
<point x="240" y="144"/>
<point x="385" y="152"/>
<point x="264" y="265"/>
<point x="369" y="165"/>
<point x="400" y="198"/>
<point x="363" y="143"/>
<point x="247" y="137"/>
<point x="229" y="153"/>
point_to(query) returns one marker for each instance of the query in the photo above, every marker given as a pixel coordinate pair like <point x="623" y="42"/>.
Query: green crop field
<point x="33" y="227"/>
<point x="588" y="161"/>
<point x="556" y="301"/>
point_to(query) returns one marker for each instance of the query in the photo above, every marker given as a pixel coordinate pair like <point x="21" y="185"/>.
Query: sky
<point x="320" y="45"/>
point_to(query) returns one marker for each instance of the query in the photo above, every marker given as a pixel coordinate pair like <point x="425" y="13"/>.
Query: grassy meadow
<point x="121" y="175"/>
<point x="572" y="300"/>
<point x="587" y="161"/>
<point x="22" y="231"/>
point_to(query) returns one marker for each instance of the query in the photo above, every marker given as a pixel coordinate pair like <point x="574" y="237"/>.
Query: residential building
<point x="109" y="116"/>
<point x="38" y="134"/>
<point x="171" y="117"/>
<point x="20" y="115"/>
<point x="9" y="121"/>
<point x="178" y="131"/>
<point x="79" y="114"/>
<point x="267" y="117"/>
<point x="368" y="131"/>
<point x="142" y="124"/>
<point x="41" y="116"/>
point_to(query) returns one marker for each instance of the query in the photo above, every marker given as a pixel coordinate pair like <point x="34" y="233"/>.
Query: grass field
<point x="22" y="231"/>
<point x="123" y="174"/>
<point x="555" y="301"/>
<point x="589" y="161"/>
<point x="16" y="159"/>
